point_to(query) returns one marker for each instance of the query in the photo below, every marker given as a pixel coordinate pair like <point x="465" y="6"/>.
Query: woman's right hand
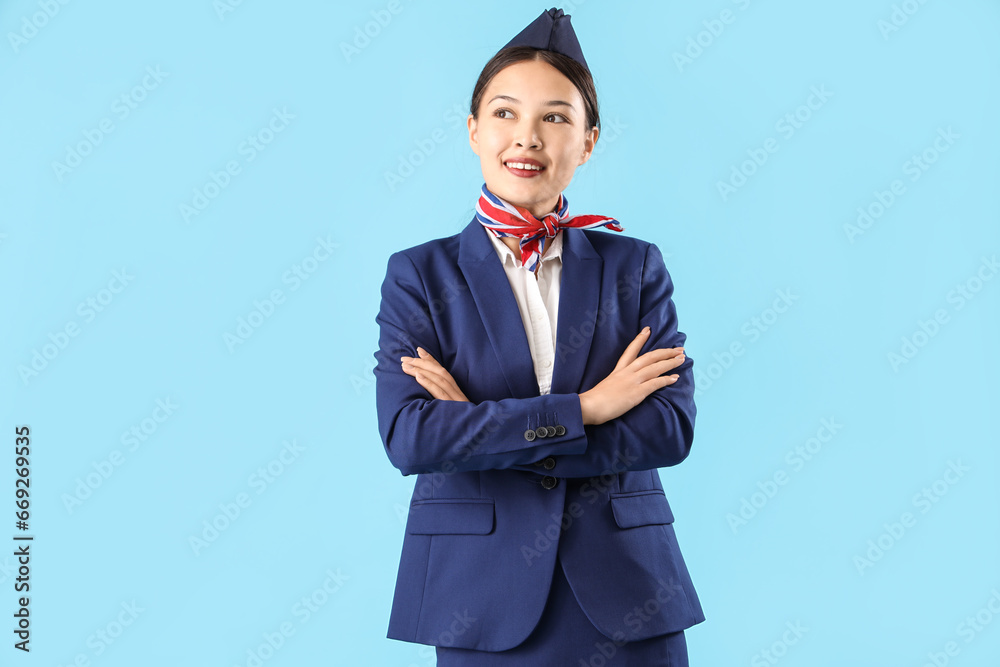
<point x="633" y="379"/>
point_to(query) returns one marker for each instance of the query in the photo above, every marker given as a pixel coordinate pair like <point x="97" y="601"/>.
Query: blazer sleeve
<point x="659" y="431"/>
<point x="422" y="434"/>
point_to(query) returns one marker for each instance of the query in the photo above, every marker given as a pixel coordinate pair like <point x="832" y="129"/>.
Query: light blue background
<point x="671" y="134"/>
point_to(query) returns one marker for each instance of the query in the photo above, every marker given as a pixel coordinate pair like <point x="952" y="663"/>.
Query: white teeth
<point x="519" y="165"/>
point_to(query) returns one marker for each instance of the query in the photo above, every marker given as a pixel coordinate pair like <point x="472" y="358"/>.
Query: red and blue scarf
<point x="505" y="219"/>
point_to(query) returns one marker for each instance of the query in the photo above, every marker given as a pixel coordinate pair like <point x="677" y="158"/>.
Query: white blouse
<point x="537" y="296"/>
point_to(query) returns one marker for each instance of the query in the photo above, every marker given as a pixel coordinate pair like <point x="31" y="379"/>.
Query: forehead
<point x="532" y="80"/>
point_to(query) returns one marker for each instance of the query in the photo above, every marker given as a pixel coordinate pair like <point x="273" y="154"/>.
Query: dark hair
<point x="578" y="75"/>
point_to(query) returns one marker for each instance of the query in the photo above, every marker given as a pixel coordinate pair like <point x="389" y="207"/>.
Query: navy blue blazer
<point x="505" y="480"/>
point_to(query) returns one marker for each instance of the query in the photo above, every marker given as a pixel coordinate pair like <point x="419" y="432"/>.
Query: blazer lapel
<point x="498" y="309"/>
<point x="578" y="298"/>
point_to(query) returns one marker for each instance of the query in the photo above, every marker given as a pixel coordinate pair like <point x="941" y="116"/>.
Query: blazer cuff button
<point x="529" y="435"/>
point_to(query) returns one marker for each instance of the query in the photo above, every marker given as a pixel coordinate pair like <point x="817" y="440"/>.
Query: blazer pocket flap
<point x="447" y="516"/>
<point x="641" y="509"/>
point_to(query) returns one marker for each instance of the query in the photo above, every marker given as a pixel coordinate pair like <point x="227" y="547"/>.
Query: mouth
<point x="524" y="168"/>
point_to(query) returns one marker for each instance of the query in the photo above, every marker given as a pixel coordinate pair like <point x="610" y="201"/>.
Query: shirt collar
<point x="507" y="256"/>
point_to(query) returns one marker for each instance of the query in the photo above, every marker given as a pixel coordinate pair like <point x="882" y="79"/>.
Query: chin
<point x="525" y="191"/>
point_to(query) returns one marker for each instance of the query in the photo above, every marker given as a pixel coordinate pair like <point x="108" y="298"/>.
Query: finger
<point x="444" y="382"/>
<point x="410" y="368"/>
<point x="442" y="377"/>
<point x="456" y="394"/>
<point x="421" y="379"/>
<point x="667" y="380"/>
<point x="445" y="390"/>
<point x="431" y="384"/>
<point x="630" y="353"/>
<point x="427" y="360"/>
<point x="676" y="360"/>
<point x="428" y="365"/>
<point x="453" y="391"/>
<point x="657" y="355"/>
<point x="656" y="369"/>
<point x="422" y="355"/>
<point x="659" y="383"/>
<point x="448" y="386"/>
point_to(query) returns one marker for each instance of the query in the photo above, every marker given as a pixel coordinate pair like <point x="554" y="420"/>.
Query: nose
<point x="527" y="134"/>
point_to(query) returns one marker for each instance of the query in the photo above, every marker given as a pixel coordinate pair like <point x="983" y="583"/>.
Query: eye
<point x="501" y="111"/>
<point x="562" y="119"/>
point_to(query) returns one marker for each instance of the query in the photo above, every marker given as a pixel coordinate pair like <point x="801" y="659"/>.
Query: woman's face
<point x="531" y="112"/>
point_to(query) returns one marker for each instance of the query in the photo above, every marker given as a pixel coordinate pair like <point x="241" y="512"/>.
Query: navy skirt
<point x="565" y="637"/>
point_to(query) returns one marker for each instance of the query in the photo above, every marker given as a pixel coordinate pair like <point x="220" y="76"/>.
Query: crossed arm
<point x="633" y="379"/>
<point x="637" y="418"/>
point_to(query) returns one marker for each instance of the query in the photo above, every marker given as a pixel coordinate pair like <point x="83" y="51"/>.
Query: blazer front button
<point x="549" y="482"/>
<point x="548" y="463"/>
<point x="529" y="435"/>
<point x="560" y="429"/>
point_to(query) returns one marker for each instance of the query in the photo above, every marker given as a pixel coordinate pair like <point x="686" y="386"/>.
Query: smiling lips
<point x="524" y="167"/>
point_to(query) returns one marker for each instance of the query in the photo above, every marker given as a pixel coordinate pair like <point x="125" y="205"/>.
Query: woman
<point x="508" y="379"/>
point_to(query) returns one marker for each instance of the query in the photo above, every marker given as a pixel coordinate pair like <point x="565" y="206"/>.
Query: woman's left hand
<point x="432" y="376"/>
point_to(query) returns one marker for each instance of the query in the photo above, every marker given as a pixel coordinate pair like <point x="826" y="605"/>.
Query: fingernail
<point x="421" y="350"/>
<point x="645" y="329"/>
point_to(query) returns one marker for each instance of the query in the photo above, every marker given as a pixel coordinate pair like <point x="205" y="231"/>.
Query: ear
<point x="589" y="141"/>
<point x="473" y="134"/>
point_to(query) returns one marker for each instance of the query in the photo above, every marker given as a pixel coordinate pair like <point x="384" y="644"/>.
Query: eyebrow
<point x="550" y="103"/>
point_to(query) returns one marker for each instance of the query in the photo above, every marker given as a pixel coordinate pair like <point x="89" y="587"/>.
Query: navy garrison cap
<point x="551" y="31"/>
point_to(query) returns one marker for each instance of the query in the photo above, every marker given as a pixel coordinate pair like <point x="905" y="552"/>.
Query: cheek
<point x="569" y="160"/>
<point x="570" y="151"/>
<point x="493" y="142"/>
